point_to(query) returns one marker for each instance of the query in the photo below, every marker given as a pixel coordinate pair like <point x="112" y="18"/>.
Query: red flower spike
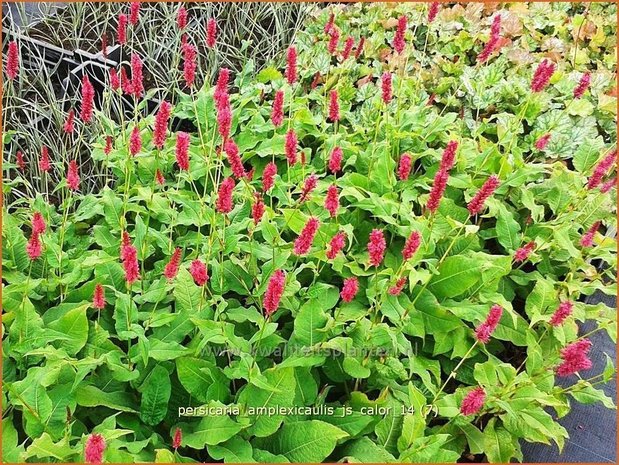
<point x="291" y="65"/>
<point x="476" y="205"/>
<point x="274" y="292"/>
<point x="397" y="288"/>
<point x="601" y="169"/>
<point x="108" y="145"/>
<point x="386" y="87"/>
<point x="608" y="185"/>
<point x="94" y="448"/>
<point x="350" y="289"/>
<point x="159" y="178"/>
<point x="332" y="202"/>
<point x="134" y="13"/>
<point x="473" y="401"/>
<point x="376" y="247"/>
<point x="114" y="80"/>
<point x="19" y="160"/>
<point x="291" y="147"/>
<point x="12" y="61"/>
<point x="211" y="33"/>
<point x="125" y="82"/>
<point x="224" y="117"/>
<point x="433" y="11"/>
<point x="137" y="77"/>
<point x="171" y="269"/>
<point x="221" y="88"/>
<point x="583" y="85"/>
<point x="224" y="196"/>
<point x="181" y="18"/>
<point x="236" y="164"/>
<point x="38" y="223"/>
<point x="304" y="242"/>
<point x="334" y="106"/>
<point x="178" y="438"/>
<point x="523" y="252"/>
<point x="437" y="191"/>
<point x="348" y="45"/>
<point x="121" y="32"/>
<point x="257" y="209"/>
<point x="449" y="156"/>
<point x="198" y="272"/>
<point x="411" y="246"/>
<point x="542" y="76"/>
<point x="73" y="177"/>
<point x="277" y="114"/>
<point x="88" y="99"/>
<point x="189" y="66"/>
<point x="98" y="298"/>
<point x="404" y="167"/>
<point x="160" y="132"/>
<point x="33" y="247"/>
<point x="335" y="160"/>
<point x="69" y="124"/>
<point x="135" y="141"/>
<point x="398" y="40"/>
<point x="334" y="39"/>
<point x="338" y="242"/>
<point x="359" y="49"/>
<point x="575" y="358"/>
<point x="561" y="313"/>
<point x="44" y="164"/>
<point x="542" y="142"/>
<point x="587" y="239"/>
<point x="493" y="41"/>
<point x="308" y="187"/>
<point x="129" y="257"/>
<point x="268" y="176"/>
<point x="485" y="330"/>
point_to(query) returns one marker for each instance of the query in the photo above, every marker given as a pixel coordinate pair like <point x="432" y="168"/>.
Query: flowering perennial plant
<point x="409" y="223"/>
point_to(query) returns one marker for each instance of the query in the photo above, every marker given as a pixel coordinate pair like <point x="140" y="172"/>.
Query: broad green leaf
<point x="155" y="396"/>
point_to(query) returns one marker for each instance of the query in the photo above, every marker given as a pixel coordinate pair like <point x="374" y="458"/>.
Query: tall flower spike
<point x="308" y="187"/>
<point x="257" y="209"/>
<point x="236" y="164"/>
<point x="181" y="18"/>
<point x="189" y="66"/>
<point x="608" y="185"/>
<point x="473" y="401"/>
<point x="449" y="155"/>
<point x="69" y="124"/>
<point x="376" y="247"/>
<point x="98" y="297"/>
<point x="104" y="45"/>
<point x="277" y="113"/>
<point x="159" y="177"/>
<point x="268" y="176"/>
<point x="198" y="272"/>
<point x="303" y="243"/>
<point x="88" y="98"/>
<point x="125" y="82"/>
<point x="211" y="33"/>
<point x="583" y="85"/>
<point x="575" y="358"/>
<point x="137" y="77"/>
<point x="396" y="289"/>
<point x="398" y="39"/>
<point x="561" y="313"/>
<point x="335" y="160"/>
<point x="338" y="242"/>
<point x="542" y="76"/>
<point x="438" y="189"/>
<point x="433" y="11"/>
<point x="33" y="247"/>
<point x="601" y="169"/>
<point x="404" y="167"/>
<point x="523" y="252"/>
<point x="108" y="145"/>
<point x="411" y="246"/>
<point x="476" y="205"/>
<point x="162" y="117"/>
<point x="224" y="196"/>
<point x="274" y="292"/>
<point x="94" y="448"/>
<point x="21" y="163"/>
<point x="134" y="13"/>
<point x="12" y="61"/>
<point x="485" y="330"/>
<point x="221" y="88"/>
<point x="291" y="147"/>
<point x="182" y="150"/>
<point x="386" y="87"/>
<point x="359" y="49"/>
<point x="129" y="257"/>
<point x="493" y="41"/>
<point x="38" y="223"/>
<point x="334" y="39"/>
<point x="348" y="45"/>
<point x="121" y="32"/>
<point x="224" y="117"/>
<point x="332" y="202"/>
<point x="178" y="438"/>
<point x="171" y="269"/>
<point x="291" y="65"/>
<point x="587" y="239"/>
<point x="350" y="289"/>
<point x="542" y="141"/>
<point x="334" y="106"/>
<point x="44" y="163"/>
<point x="330" y="22"/>
<point x="73" y="177"/>
<point x="135" y="141"/>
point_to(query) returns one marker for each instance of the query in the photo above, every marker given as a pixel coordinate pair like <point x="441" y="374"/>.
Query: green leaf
<point x="73" y="325"/>
<point x="541" y="297"/>
<point x="306" y="441"/>
<point x="155" y="396"/>
<point x="234" y="450"/>
<point x="91" y="396"/>
<point x="211" y="430"/>
<point x="457" y="274"/>
<point x="498" y="443"/>
<point x="309" y="324"/>
<point x="507" y="229"/>
<point x="202" y="379"/>
<point x="365" y="450"/>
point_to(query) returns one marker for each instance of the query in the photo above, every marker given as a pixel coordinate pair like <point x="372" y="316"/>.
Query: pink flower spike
<point x="348" y="46"/>
<point x="171" y="269"/>
<point x="291" y="147"/>
<point x="122" y="29"/>
<point x="88" y="98"/>
<point x="404" y="167"/>
<point x="291" y="65"/>
<point x="33" y="247"/>
<point x="224" y="196"/>
<point x="523" y="252"/>
<point x="433" y="11"/>
<point x="334" y="39"/>
<point x="398" y="40"/>
<point x="601" y="169"/>
<point x="134" y="13"/>
<point x="350" y="289"/>
<point x="359" y="48"/>
<point x="69" y="124"/>
<point x="94" y="448"/>
<point x="386" y="87"/>
<point x="135" y="141"/>
<point x="160" y="132"/>
<point x="257" y="209"/>
<point x="274" y="292"/>
<point x="38" y="223"/>
<point x="178" y="438"/>
<point x="73" y="177"/>
<point x="473" y="401"/>
<point x="583" y="85"/>
<point x="303" y="243"/>
<point x="44" y="163"/>
<point x="198" y="272"/>
<point x="397" y="288"/>
<point x="277" y="113"/>
<point x="338" y="242"/>
<point x="335" y="160"/>
<point x="268" y="176"/>
<point x="181" y="18"/>
<point x="98" y="298"/>
<point x="234" y="158"/>
<point x="485" y="330"/>
<point x="561" y="313"/>
<point x="542" y="142"/>
<point x="542" y="76"/>
<point x="411" y="246"/>
<point x="376" y="247"/>
<point x="308" y="187"/>
<point x="476" y="205"/>
<point x="332" y="202"/>
<point x="608" y="185"/>
<point x="575" y="358"/>
<point x="211" y="33"/>
<point x="12" y="61"/>
<point x="334" y="106"/>
<point x="587" y="239"/>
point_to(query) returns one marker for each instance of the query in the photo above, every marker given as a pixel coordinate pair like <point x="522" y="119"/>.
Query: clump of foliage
<point x="384" y="240"/>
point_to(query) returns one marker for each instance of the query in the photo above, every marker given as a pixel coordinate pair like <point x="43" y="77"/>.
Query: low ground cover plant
<point x="375" y="250"/>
